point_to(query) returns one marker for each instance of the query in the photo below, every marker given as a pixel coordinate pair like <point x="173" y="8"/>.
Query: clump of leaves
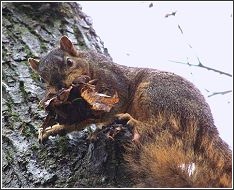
<point x="79" y="102"/>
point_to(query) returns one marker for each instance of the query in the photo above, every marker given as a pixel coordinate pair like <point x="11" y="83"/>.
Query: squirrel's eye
<point x="69" y="62"/>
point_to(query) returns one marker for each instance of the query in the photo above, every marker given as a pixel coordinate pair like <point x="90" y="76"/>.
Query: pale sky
<point x="137" y="35"/>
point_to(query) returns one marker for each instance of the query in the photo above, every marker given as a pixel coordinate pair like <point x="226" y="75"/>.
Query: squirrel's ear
<point x="33" y="63"/>
<point x="66" y="45"/>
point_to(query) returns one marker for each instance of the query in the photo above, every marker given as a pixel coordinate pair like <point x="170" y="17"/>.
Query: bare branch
<point x="180" y="29"/>
<point x="202" y="66"/>
<point x="189" y="45"/>
<point x="199" y="62"/>
<point x="209" y="68"/>
<point x="221" y="93"/>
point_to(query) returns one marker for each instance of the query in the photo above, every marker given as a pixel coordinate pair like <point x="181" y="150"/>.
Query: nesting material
<point x="75" y="104"/>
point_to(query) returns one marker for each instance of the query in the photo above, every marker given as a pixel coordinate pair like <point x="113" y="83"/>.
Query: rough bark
<point x="31" y="30"/>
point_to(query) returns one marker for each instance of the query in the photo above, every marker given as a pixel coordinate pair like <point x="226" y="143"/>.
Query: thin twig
<point x="221" y="93"/>
<point x="180" y="29"/>
<point x="202" y="66"/>
<point x="171" y="14"/>
<point x="199" y="62"/>
<point x="209" y="68"/>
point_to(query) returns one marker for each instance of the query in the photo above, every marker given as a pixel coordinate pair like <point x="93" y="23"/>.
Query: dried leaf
<point x="99" y="101"/>
<point x="60" y="98"/>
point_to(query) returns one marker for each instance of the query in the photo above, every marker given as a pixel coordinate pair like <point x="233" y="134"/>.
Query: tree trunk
<point x="31" y="30"/>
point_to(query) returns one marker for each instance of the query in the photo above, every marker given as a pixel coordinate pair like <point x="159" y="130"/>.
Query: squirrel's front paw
<point x="42" y="137"/>
<point x="126" y="118"/>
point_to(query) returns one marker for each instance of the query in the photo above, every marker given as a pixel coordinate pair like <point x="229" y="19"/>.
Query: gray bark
<point x="31" y="30"/>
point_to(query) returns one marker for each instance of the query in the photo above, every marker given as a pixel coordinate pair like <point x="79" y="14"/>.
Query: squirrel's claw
<point x="42" y="137"/>
<point x="129" y="120"/>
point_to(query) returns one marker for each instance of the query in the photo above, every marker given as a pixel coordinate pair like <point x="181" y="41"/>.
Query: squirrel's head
<point x="62" y="65"/>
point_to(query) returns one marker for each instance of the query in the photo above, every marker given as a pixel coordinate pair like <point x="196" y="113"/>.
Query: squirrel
<point x="175" y="144"/>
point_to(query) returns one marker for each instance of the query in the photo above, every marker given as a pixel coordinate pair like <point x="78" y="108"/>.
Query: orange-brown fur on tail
<point x="164" y="157"/>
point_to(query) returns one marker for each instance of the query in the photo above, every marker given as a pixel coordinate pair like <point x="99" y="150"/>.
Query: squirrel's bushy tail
<point x="163" y="158"/>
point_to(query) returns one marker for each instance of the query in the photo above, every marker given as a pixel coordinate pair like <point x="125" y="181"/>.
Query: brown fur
<point x="164" y="158"/>
<point x="169" y="113"/>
